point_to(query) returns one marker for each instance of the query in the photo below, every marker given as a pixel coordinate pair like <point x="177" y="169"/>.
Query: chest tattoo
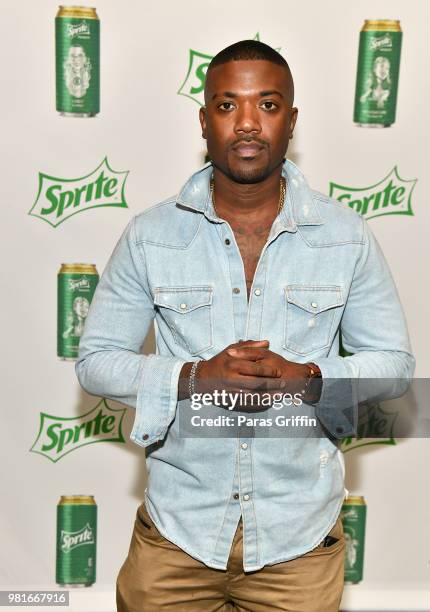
<point x="251" y="239"/>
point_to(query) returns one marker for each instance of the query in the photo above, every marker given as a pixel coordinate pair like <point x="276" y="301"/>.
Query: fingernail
<point x="232" y="351"/>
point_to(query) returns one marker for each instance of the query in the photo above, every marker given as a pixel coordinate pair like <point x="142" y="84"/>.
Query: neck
<point x="240" y="200"/>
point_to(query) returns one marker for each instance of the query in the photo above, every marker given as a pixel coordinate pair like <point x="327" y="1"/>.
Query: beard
<point x="248" y="175"/>
<point x="247" y="172"/>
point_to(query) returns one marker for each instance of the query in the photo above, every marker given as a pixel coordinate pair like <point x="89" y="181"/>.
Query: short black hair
<point x="252" y="50"/>
<point x="247" y="50"/>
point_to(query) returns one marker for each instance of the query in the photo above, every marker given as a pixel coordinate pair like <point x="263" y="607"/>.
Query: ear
<point x="293" y="119"/>
<point x="202" y="117"/>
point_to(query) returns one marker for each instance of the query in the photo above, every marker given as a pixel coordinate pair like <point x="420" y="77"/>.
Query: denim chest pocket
<point x="188" y="313"/>
<point x="310" y="316"/>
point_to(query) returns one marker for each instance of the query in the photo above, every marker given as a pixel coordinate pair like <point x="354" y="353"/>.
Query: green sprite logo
<point x="351" y="514"/>
<point x="82" y="30"/>
<point x="194" y="82"/>
<point x="58" y="198"/>
<point x="59" y="436"/>
<point x="381" y="42"/>
<point x="375" y="426"/>
<point x="72" y="539"/>
<point x="79" y="284"/>
<point x="391" y="196"/>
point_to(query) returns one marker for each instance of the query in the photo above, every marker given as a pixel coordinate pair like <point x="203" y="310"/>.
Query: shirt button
<point x="314" y="305"/>
<point x="183" y="305"/>
<point x="236" y="290"/>
<point x="227" y="241"/>
<point x="145" y="436"/>
<point x="236" y="496"/>
<point x="244" y="446"/>
<point x="257" y="291"/>
<point x="246" y="497"/>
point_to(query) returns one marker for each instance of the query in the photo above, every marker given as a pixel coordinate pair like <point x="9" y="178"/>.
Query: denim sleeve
<point x="374" y="330"/>
<point x="109" y="363"/>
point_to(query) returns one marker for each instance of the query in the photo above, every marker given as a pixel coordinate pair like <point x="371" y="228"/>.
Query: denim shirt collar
<point x="300" y="207"/>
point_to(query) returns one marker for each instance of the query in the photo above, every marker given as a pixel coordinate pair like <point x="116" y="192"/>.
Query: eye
<point x="268" y="105"/>
<point x="223" y="106"/>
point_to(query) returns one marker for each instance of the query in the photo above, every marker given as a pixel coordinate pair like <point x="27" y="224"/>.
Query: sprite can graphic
<point x="354" y="527"/>
<point x="76" y="541"/>
<point x="377" y="73"/>
<point x="77" y="55"/>
<point x="76" y="286"/>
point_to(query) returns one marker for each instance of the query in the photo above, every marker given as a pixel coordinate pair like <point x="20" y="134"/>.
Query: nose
<point x="247" y="119"/>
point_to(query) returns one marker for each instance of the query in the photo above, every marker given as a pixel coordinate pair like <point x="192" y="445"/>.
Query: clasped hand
<point x="249" y="366"/>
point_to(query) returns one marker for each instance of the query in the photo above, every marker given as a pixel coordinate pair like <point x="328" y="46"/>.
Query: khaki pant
<point x="157" y="575"/>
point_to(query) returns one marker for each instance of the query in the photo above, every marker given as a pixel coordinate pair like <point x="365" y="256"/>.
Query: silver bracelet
<point x="191" y="383"/>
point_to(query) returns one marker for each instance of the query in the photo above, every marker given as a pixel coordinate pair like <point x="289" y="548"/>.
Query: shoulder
<point x="156" y="212"/>
<point x="166" y="224"/>
<point x="334" y="209"/>
<point x="340" y="222"/>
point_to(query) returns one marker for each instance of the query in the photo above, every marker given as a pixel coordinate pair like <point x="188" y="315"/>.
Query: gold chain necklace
<point x="282" y="192"/>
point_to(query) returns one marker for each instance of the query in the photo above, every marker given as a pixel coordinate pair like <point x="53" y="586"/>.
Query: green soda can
<point x="77" y="58"/>
<point x="354" y="527"/>
<point x="76" y="286"/>
<point x="377" y="73"/>
<point x="76" y="541"/>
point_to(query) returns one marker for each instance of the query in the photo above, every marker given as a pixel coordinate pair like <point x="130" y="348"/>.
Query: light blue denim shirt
<point x="172" y="264"/>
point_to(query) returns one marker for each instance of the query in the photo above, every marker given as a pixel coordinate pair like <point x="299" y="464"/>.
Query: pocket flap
<point x="183" y="299"/>
<point x="314" y="299"/>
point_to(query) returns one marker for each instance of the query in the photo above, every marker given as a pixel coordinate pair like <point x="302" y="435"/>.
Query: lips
<point x="247" y="149"/>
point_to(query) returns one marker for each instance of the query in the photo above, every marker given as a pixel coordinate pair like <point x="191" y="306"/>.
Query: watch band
<point x="314" y="385"/>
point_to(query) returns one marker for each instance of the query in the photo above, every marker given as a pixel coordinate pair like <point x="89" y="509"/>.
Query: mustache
<point x="250" y="139"/>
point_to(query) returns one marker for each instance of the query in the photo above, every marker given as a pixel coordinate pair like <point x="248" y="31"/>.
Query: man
<point x="249" y="289"/>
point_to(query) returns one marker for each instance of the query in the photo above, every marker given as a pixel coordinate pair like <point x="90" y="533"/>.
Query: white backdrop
<point x="145" y="127"/>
